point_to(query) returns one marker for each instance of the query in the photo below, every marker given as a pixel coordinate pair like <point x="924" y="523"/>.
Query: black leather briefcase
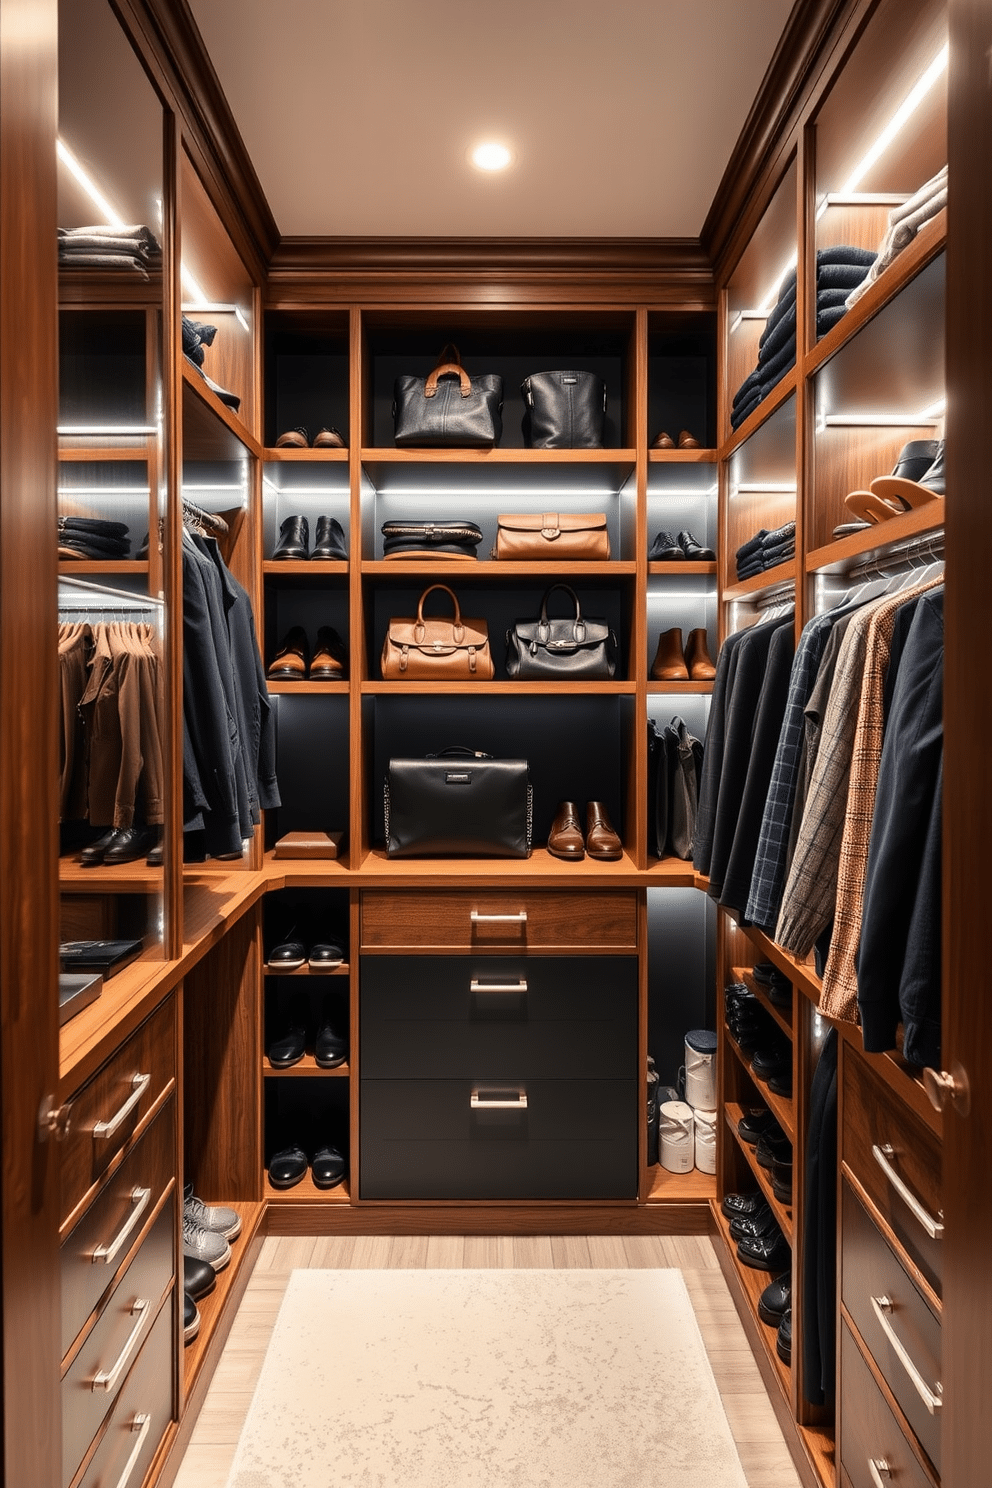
<point x="459" y="802"/>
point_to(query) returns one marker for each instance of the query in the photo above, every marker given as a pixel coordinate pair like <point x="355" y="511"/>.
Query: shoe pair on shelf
<point x="294" y="540"/>
<point x="208" y="1230"/>
<point x="674" y="662"/>
<point x="775" y="1310"/>
<point x="756" y="1233"/>
<point x="326" y="952"/>
<point x="774" y="983"/>
<point x="918" y="477"/>
<point x="565" y="840"/>
<point x="759" y="1037"/>
<point x="667" y="548"/>
<point x="299" y="438"/>
<point x="330" y="1045"/>
<point x="288" y="1166"/>
<point x="293" y="661"/>
<point x="124" y="845"/>
<point x="665" y="441"/>
<point x="772" y="1150"/>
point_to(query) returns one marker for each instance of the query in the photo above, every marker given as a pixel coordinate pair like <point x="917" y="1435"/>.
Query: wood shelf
<point x="392" y="456"/>
<point x="107" y="453"/>
<point x="800" y="973"/>
<point x="674" y="688"/>
<point x="674" y="569"/>
<point x="683" y="456"/>
<point x="231" y="422"/>
<point x="277" y="687"/>
<point x="307" y="1067"/>
<point x="783" y="1212"/>
<point x="782" y="573"/>
<point x="753" y="1283"/>
<point x="211" y="1307"/>
<point x="693" y="1187"/>
<point x="780" y="1107"/>
<point x="304" y="568"/>
<point x="306" y="971"/>
<point x="861" y="547"/>
<point x="506" y="689"/>
<point x="123" y="566"/>
<point x="782" y="1018"/>
<point x="272" y="454"/>
<point x="124" y="878"/>
<point x="501" y="568"/>
<point x="307" y="1192"/>
<point x="780" y="393"/>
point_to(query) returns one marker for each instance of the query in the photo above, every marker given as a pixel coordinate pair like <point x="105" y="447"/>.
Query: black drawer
<point x="869" y="1432"/>
<point x="450" y="1139"/>
<point x="480" y="1017"/>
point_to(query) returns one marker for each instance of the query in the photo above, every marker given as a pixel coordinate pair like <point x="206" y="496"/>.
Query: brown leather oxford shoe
<point x="602" y="842"/>
<point x="292" y="660"/>
<point x="565" y="838"/>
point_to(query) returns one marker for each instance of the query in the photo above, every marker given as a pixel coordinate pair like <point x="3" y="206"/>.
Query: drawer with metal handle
<point x="498" y="1139"/>
<point x="874" y="1450"/>
<point x="111" y="1110"/>
<point x="94" y="1378"/>
<point x="141" y="1414"/>
<point x="544" y="1017"/>
<point x="899" y="1329"/>
<point x="896" y="1158"/>
<point x="94" y="1251"/>
<point x="466" y="919"/>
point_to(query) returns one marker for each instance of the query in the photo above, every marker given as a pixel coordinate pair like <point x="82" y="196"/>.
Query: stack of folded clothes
<point x="838" y="270"/>
<point x="197" y="335"/>
<point x="904" y="223"/>
<point x="92" y="537"/>
<point x="103" y="247"/>
<point x="765" y="549"/>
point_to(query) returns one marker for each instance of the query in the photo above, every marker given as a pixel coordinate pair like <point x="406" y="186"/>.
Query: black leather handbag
<point x="459" y="802"/>
<point x="563" y="410"/>
<point x="572" y="648"/>
<point x="448" y="408"/>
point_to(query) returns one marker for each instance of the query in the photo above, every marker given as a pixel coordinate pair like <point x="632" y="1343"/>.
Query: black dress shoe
<point x="782" y="1181"/>
<point x="156" y="855"/>
<point x="753" y="1126"/>
<point x="330" y="657"/>
<point x="329" y="539"/>
<point x="330" y="1047"/>
<point x="287" y="1167"/>
<point x="291" y="1045"/>
<point x="694" y="550"/>
<point x="92" y="856"/>
<point x="129" y="844"/>
<point x="779" y="990"/>
<point x="775" y="1299"/>
<point x="754" y="1229"/>
<point x="191" y="1319"/>
<point x="742" y="1206"/>
<point x="328" y="1167"/>
<point x="763" y="971"/>
<point x="326" y="955"/>
<point x="665" y="549"/>
<point x="783" y="1338"/>
<point x="772" y="1145"/>
<point x="291" y="662"/>
<point x="199" y="1277"/>
<point x="781" y="1085"/>
<point x="288" y="955"/>
<point x="772" y="1059"/>
<point x="765" y="1252"/>
<point x="294" y="539"/>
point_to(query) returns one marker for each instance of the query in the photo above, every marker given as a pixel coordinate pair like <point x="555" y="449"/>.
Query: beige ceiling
<point x="358" y="114"/>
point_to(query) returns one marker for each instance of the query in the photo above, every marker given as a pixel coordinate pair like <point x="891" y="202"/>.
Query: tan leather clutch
<point x="556" y="535"/>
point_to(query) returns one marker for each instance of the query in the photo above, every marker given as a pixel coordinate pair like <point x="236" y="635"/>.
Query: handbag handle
<point x="460" y="749"/>
<point x="578" y="624"/>
<point x="458" y="628"/>
<point x="449" y="364"/>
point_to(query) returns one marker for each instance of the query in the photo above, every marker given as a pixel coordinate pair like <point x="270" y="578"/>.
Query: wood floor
<point x="763" y="1453"/>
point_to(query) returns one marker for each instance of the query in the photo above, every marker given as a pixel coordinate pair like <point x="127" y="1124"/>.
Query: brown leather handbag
<point x="434" y="648"/>
<point x="552" y="535"/>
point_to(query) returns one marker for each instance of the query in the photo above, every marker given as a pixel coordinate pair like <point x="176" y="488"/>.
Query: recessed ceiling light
<point x="491" y="157"/>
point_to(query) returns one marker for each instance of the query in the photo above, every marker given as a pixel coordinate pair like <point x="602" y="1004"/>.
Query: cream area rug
<point x="486" y="1379"/>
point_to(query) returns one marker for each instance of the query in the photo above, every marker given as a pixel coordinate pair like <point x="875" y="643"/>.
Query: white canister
<point x="676" y="1139"/>
<point x="705" y="1123"/>
<point x="700" y="1069"/>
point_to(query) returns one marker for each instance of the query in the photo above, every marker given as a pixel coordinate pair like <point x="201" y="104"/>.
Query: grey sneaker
<point x="214" y="1217"/>
<point x="204" y="1245"/>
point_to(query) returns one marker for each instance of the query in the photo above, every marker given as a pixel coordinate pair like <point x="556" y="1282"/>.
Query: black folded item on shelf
<point x="196" y="335"/>
<point x="765" y="549"/>
<point x="429" y="537"/>
<point x="106" y="956"/>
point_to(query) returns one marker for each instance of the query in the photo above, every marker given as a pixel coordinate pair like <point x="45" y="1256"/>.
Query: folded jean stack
<point x="766" y="549"/>
<point x="133" y="248"/>
<point x="196" y="336"/>
<point x="904" y="223"/>
<point x="838" y="271"/>
<point x="93" y="538"/>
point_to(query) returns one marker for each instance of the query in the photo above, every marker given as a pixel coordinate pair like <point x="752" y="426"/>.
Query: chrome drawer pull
<point x="106" y="1379"/>
<point x="933" y="1403"/>
<point x="142" y="1424"/>
<point x="884" y="1155"/>
<point x="498" y="1100"/>
<point x="520" y="918"/>
<point x="104" y="1129"/>
<point x="879" y="1469"/>
<point x="476" y="986"/>
<point x="107" y="1253"/>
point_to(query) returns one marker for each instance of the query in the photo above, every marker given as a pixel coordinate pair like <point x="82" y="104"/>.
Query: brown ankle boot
<point x="669" y="664"/>
<point x="565" y="839"/>
<point x="697" y="658"/>
<point x="601" y="840"/>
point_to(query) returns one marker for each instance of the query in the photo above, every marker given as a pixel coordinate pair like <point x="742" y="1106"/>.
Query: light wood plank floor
<point x="763" y="1453"/>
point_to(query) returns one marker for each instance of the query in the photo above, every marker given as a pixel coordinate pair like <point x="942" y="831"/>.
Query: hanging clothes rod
<point x="776" y="595"/>
<point x="145" y="601"/>
<point x="930" y="546"/>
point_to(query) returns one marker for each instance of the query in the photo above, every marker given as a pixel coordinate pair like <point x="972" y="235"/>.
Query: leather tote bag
<point x="563" y="410"/>
<point x="459" y="802"/>
<point x="573" y="648"/>
<point x="445" y="540"/>
<point x="552" y="535"/>
<point x="448" y="408"/>
<point x="436" y="648"/>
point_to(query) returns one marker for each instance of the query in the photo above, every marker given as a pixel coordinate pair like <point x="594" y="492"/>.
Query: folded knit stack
<point x="838" y="270"/>
<point x="93" y="538"/>
<point x="101" y="247"/>
<point x="904" y="223"/>
<point x="196" y="336"/>
<point x="765" y="549"/>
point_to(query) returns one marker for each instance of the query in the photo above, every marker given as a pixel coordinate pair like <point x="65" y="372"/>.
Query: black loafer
<point x="199" y="1277"/>
<point x="694" y="551"/>
<point x="129" y="844"/>
<point x="328" y="1167"/>
<point x="191" y="1319"/>
<point x="775" y="1299"/>
<point x="289" y="1048"/>
<point x="327" y="955"/>
<point x="329" y="540"/>
<point x="754" y="1229"/>
<point x="782" y="1181"/>
<point x="289" y="956"/>
<point x="294" y="539"/>
<point x="772" y="1060"/>
<point x="781" y="1085"/>
<point x="665" y="549"/>
<point x="93" y="855"/>
<point x="763" y="971"/>
<point x="330" y="1047"/>
<point x="771" y="1146"/>
<point x="752" y="1127"/>
<point x="779" y="990"/>
<point x="287" y="1167"/>
<point x="765" y="1252"/>
<point x="742" y="1206"/>
<point x="783" y="1338"/>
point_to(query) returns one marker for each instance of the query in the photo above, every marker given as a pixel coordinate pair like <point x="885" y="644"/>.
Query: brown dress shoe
<point x="292" y="659"/>
<point x="328" y="439"/>
<point x="330" y="659"/>
<point x="687" y="440"/>
<point x="565" y="838"/>
<point x="697" y="658"/>
<point x="297" y="438"/>
<point x="601" y="840"/>
<point x="669" y="664"/>
<point x="663" y="441"/>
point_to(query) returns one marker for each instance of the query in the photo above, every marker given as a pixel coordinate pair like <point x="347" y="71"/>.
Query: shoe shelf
<point x="783" y="1212"/>
<point x="676" y="570"/>
<point x="680" y="1188"/>
<point x="307" y="1192"/>
<point x="491" y="568"/>
<point x="861" y="547"/>
<point x="123" y="878"/>
<point x="123" y="566"/>
<point x="305" y="687"/>
<point x="782" y="573"/>
<point x="677" y="688"/>
<point x="304" y="568"/>
<point x="301" y="971"/>
<point x="512" y="689"/>
<point x="782" y="1016"/>
<point x="290" y="453"/>
<point x="540" y="870"/>
<point x="753" y="1283"/>
<point x="461" y="456"/>
<point x="132" y="447"/>
<point x="800" y="973"/>
<point x="779" y="1105"/>
<point x="683" y="456"/>
<point x="234" y="1277"/>
<point x="307" y="1067"/>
